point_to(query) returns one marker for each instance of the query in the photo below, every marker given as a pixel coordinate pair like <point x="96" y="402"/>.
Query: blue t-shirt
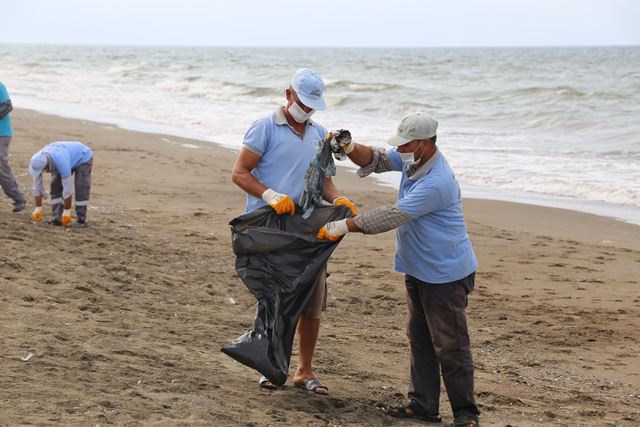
<point x="434" y="246"/>
<point x="284" y="155"/>
<point x="67" y="155"/>
<point x="5" y="122"/>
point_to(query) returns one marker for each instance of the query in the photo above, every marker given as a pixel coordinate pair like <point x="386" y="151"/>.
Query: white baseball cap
<point x="414" y="126"/>
<point x="309" y="87"/>
<point x="37" y="164"/>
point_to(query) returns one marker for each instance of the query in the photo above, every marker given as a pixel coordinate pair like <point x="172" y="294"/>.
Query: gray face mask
<point x="298" y="113"/>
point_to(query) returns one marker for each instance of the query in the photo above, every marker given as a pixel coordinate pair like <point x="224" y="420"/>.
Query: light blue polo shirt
<point x="434" y="246"/>
<point x="67" y="155"/>
<point x="284" y="155"/>
<point x="5" y="122"/>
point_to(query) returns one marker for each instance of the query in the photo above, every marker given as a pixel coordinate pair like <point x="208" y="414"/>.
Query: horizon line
<point x="314" y="46"/>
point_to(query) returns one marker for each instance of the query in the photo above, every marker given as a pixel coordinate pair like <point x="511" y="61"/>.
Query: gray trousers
<point x="82" y="184"/>
<point x="7" y="178"/>
<point x="439" y="338"/>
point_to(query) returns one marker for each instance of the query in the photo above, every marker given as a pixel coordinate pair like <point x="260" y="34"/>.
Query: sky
<point x="331" y="23"/>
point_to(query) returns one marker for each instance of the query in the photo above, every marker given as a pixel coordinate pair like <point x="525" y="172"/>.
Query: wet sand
<point x="125" y="319"/>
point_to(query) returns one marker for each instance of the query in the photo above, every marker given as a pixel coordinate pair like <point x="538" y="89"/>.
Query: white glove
<point x="281" y="203"/>
<point x="333" y="230"/>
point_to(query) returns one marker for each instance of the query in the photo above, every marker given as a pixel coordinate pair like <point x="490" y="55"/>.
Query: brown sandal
<point x="412" y="409"/>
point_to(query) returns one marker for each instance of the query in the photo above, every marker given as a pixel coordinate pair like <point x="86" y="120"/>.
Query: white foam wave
<point x="508" y="122"/>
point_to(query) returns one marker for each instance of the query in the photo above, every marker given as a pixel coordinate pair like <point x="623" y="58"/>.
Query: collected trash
<point x="279" y="260"/>
<point x="321" y="166"/>
<point x="338" y="140"/>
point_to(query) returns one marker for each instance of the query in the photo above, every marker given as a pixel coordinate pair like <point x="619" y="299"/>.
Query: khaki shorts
<point x="318" y="301"/>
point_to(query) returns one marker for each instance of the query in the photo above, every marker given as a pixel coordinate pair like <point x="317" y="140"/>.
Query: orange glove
<point x="36" y="216"/>
<point x="66" y="217"/>
<point x="281" y="203"/>
<point x="333" y="230"/>
<point x="343" y="201"/>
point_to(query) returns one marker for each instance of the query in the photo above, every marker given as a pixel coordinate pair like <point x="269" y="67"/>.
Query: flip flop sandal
<point x="313" y="385"/>
<point x="266" y="384"/>
<point x="412" y="409"/>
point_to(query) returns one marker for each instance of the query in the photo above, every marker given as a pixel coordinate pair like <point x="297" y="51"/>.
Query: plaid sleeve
<point x="380" y="162"/>
<point x="381" y="219"/>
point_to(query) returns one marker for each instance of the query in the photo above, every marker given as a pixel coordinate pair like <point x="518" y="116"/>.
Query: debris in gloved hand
<point x="340" y="142"/>
<point x="321" y="166"/>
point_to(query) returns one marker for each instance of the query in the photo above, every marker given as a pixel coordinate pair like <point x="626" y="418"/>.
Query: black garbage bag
<point x="279" y="260"/>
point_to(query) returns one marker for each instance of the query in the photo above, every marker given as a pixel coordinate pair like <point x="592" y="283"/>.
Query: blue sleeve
<point x="422" y="200"/>
<point x="396" y="163"/>
<point x="257" y="137"/>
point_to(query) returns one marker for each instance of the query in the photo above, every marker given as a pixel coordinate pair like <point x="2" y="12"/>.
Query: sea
<point x="547" y="126"/>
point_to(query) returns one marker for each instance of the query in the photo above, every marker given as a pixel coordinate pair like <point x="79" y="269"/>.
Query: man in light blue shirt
<point x="7" y="178"/>
<point x="277" y="150"/>
<point x="63" y="160"/>
<point x="434" y="252"/>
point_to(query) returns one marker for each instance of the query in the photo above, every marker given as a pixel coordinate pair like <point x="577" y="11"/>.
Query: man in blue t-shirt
<point x="276" y="152"/>
<point x="63" y="159"/>
<point x="7" y="178"/>
<point x="434" y="252"/>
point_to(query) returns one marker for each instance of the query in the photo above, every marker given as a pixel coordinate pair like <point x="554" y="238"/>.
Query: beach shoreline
<point x="125" y="319"/>
<point x="621" y="212"/>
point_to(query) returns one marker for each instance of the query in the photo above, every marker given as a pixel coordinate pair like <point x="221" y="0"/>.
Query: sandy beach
<point x="125" y="319"/>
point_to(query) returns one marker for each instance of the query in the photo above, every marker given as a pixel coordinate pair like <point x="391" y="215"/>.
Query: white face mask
<point x="298" y="113"/>
<point x="409" y="158"/>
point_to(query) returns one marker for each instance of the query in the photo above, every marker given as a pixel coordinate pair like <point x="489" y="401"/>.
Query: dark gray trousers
<point x="439" y="341"/>
<point x="7" y="178"/>
<point x="82" y="184"/>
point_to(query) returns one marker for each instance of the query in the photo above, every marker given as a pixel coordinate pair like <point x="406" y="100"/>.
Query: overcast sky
<point x="404" y="23"/>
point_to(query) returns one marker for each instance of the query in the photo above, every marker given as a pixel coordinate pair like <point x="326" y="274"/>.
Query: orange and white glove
<point x="67" y="217"/>
<point x="333" y="230"/>
<point x="343" y="201"/>
<point x="281" y="203"/>
<point x="36" y="216"/>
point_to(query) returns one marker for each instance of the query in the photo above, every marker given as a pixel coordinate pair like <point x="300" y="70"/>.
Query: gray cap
<point x="414" y="126"/>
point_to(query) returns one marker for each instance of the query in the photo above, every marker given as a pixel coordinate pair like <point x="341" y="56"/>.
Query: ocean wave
<point x="192" y="78"/>
<point x="260" y="91"/>
<point x="553" y="185"/>
<point x="360" y="86"/>
<point x="124" y="70"/>
<point x="621" y="154"/>
<point x="244" y="89"/>
<point x="566" y="92"/>
<point x="506" y="123"/>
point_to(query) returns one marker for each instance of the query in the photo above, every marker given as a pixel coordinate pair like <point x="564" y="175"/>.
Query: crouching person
<point x="69" y="163"/>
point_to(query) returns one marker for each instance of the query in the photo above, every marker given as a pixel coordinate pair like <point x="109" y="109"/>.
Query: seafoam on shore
<point x="517" y="124"/>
